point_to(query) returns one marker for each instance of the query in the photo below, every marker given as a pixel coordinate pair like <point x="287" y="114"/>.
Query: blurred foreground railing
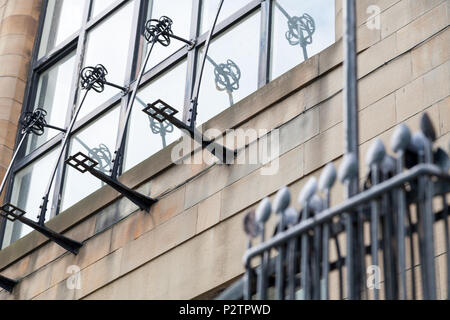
<point x="395" y="218"/>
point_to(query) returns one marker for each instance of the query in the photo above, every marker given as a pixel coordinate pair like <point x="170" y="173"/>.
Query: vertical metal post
<point x="351" y="125"/>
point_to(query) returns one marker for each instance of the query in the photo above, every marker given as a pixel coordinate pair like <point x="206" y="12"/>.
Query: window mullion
<point x="56" y="201"/>
<point x="264" y="54"/>
<point x="192" y="57"/>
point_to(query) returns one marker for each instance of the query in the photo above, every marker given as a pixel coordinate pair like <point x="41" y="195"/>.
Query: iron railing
<point x="395" y="218"/>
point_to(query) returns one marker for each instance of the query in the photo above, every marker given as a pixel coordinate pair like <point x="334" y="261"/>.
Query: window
<point x="287" y="50"/>
<point x="26" y="193"/>
<point x="249" y="48"/>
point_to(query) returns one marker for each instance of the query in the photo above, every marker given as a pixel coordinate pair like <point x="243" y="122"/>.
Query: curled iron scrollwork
<point x="301" y="30"/>
<point x="227" y="76"/>
<point x="94" y="78"/>
<point x="34" y="122"/>
<point x="159" y="30"/>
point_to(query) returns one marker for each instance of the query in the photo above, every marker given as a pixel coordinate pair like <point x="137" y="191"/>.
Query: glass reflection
<point x="108" y="44"/>
<point x="99" y="5"/>
<point x="231" y="71"/>
<point x="53" y="93"/>
<point x="209" y="11"/>
<point x="62" y="19"/>
<point x="145" y="135"/>
<point x="300" y="30"/>
<point x="27" y="194"/>
<point x="98" y="141"/>
<point x="179" y="11"/>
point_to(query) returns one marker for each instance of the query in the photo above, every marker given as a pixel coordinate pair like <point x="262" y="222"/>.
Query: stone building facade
<point x="191" y="243"/>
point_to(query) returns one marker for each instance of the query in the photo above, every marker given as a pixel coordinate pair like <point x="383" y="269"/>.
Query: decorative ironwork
<point x="158" y="30"/>
<point x="155" y="31"/>
<point x="300" y="249"/>
<point x="198" y="79"/>
<point x="161" y="31"/>
<point x="34" y="122"/>
<point x="13" y="213"/>
<point x="161" y="111"/>
<point x="94" y="78"/>
<point x="83" y="163"/>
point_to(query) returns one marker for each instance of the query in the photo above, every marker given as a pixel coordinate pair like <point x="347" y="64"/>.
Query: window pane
<point x="53" y="94"/>
<point x="147" y="136"/>
<point x="286" y="47"/>
<point x="231" y="69"/>
<point x="99" y="5"/>
<point x="97" y="141"/>
<point x="62" y="19"/>
<point x="108" y="44"/>
<point x="28" y="190"/>
<point x="209" y="11"/>
<point x="179" y="11"/>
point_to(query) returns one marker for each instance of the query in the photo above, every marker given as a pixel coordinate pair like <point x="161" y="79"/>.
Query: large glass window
<point x="29" y="187"/>
<point x="108" y="44"/>
<point x="179" y="11"/>
<point x="99" y="5"/>
<point x="231" y="69"/>
<point x="97" y="141"/>
<point x="146" y="136"/>
<point x="63" y="19"/>
<point x="243" y="57"/>
<point x="300" y="29"/>
<point x="209" y="10"/>
<point x="53" y="93"/>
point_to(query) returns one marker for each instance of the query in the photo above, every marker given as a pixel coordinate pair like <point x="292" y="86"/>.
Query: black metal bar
<point x="198" y="80"/>
<point x="55" y="128"/>
<point x="117" y="155"/>
<point x="167" y="113"/>
<point x="190" y="44"/>
<point x="7" y="284"/>
<point x="357" y="200"/>
<point x="124" y="90"/>
<point x="53" y="174"/>
<point x="13" y="213"/>
<point x="83" y="164"/>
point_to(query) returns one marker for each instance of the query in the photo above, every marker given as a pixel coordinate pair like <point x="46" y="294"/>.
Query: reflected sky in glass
<point x="232" y="59"/>
<point x="63" y="18"/>
<point x="53" y="95"/>
<point x="209" y="11"/>
<point x="147" y="136"/>
<point x="286" y="56"/>
<point x="28" y="190"/>
<point x="98" y="141"/>
<point x="179" y="11"/>
<point x="108" y="44"/>
<point x="99" y="5"/>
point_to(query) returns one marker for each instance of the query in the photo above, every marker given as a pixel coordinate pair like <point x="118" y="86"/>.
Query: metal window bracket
<point x="161" y="31"/>
<point x="161" y="111"/>
<point x="7" y="284"/>
<point x="83" y="164"/>
<point x="12" y="213"/>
